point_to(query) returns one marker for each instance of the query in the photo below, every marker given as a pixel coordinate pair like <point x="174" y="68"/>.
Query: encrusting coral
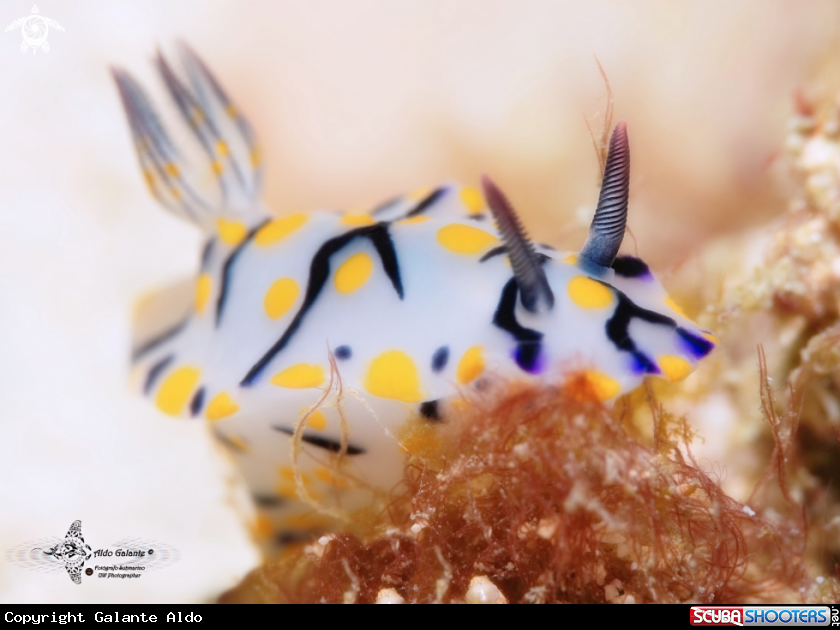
<point x="793" y="297"/>
<point x="808" y="294"/>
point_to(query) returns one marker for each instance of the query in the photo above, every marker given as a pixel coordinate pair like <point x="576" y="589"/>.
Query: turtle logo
<point x="35" y="28"/>
<point x="73" y="552"/>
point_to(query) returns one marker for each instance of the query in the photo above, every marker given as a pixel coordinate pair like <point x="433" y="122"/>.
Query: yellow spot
<point x="710" y="337"/>
<point x="176" y="389"/>
<point x="675" y="307"/>
<point x="411" y="220"/>
<point x="472" y="199"/>
<point x="288" y="473"/>
<point x="263" y="527"/>
<point x="176" y="194"/>
<point x="309" y="521"/>
<point x="471" y="365"/>
<point x="256" y="157"/>
<point x="279" y="229"/>
<point x="674" y="368"/>
<point x="464" y="239"/>
<point x="604" y="386"/>
<point x="420" y="438"/>
<point x="322" y="474"/>
<point x="231" y="110"/>
<point x="317" y="421"/>
<point x="587" y="293"/>
<point x="222" y="148"/>
<point x="202" y="292"/>
<point x="198" y="116"/>
<point x="217" y="167"/>
<point x="231" y="232"/>
<point x="150" y="178"/>
<point x="287" y="490"/>
<point x="220" y="407"/>
<point x="419" y="193"/>
<point x="571" y="259"/>
<point x="357" y="219"/>
<point x="393" y="375"/>
<point x="280" y="297"/>
<point x="353" y="273"/>
<point x="300" y="376"/>
<point x="172" y="170"/>
<point x="326" y="476"/>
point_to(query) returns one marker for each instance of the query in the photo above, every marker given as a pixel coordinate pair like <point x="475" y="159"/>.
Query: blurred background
<point x="354" y="101"/>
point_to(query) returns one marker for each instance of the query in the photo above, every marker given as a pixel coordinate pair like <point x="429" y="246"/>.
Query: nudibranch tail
<point x="232" y="165"/>
<point x="534" y="290"/>
<point x="607" y="229"/>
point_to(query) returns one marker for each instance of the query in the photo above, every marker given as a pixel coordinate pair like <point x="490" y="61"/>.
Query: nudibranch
<point x="408" y="306"/>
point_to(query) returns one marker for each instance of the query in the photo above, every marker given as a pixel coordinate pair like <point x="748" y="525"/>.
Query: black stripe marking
<point x="429" y="410"/>
<point x="529" y="340"/>
<point x="155" y="371"/>
<point x="322" y="442"/>
<point x="319" y="273"/>
<point x="226" y="269"/>
<point x="385" y="205"/>
<point x="501" y="249"/>
<point x="160" y="339"/>
<point x="426" y="202"/>
<point x="197" y="402"/>
<point x="699" y="346"/>
<point x="206" y="251"/>
<point x="630" y="267"/>
<point x="440" y="358"/>
<point x="269" y="500"/>
<point x="496" y="251"/>
<point x="283" y="539"/>
<point x="617" y="328"/>
<point x="387" y="254"/>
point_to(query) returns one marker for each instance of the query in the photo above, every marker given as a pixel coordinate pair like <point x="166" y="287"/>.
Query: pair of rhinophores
<point x="329" y="331"/>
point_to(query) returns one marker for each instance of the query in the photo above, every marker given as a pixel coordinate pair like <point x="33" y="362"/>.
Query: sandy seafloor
<point x="354" y="101"/>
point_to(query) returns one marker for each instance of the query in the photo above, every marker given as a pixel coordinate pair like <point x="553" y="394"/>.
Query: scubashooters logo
<point x="126" y="558"/>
